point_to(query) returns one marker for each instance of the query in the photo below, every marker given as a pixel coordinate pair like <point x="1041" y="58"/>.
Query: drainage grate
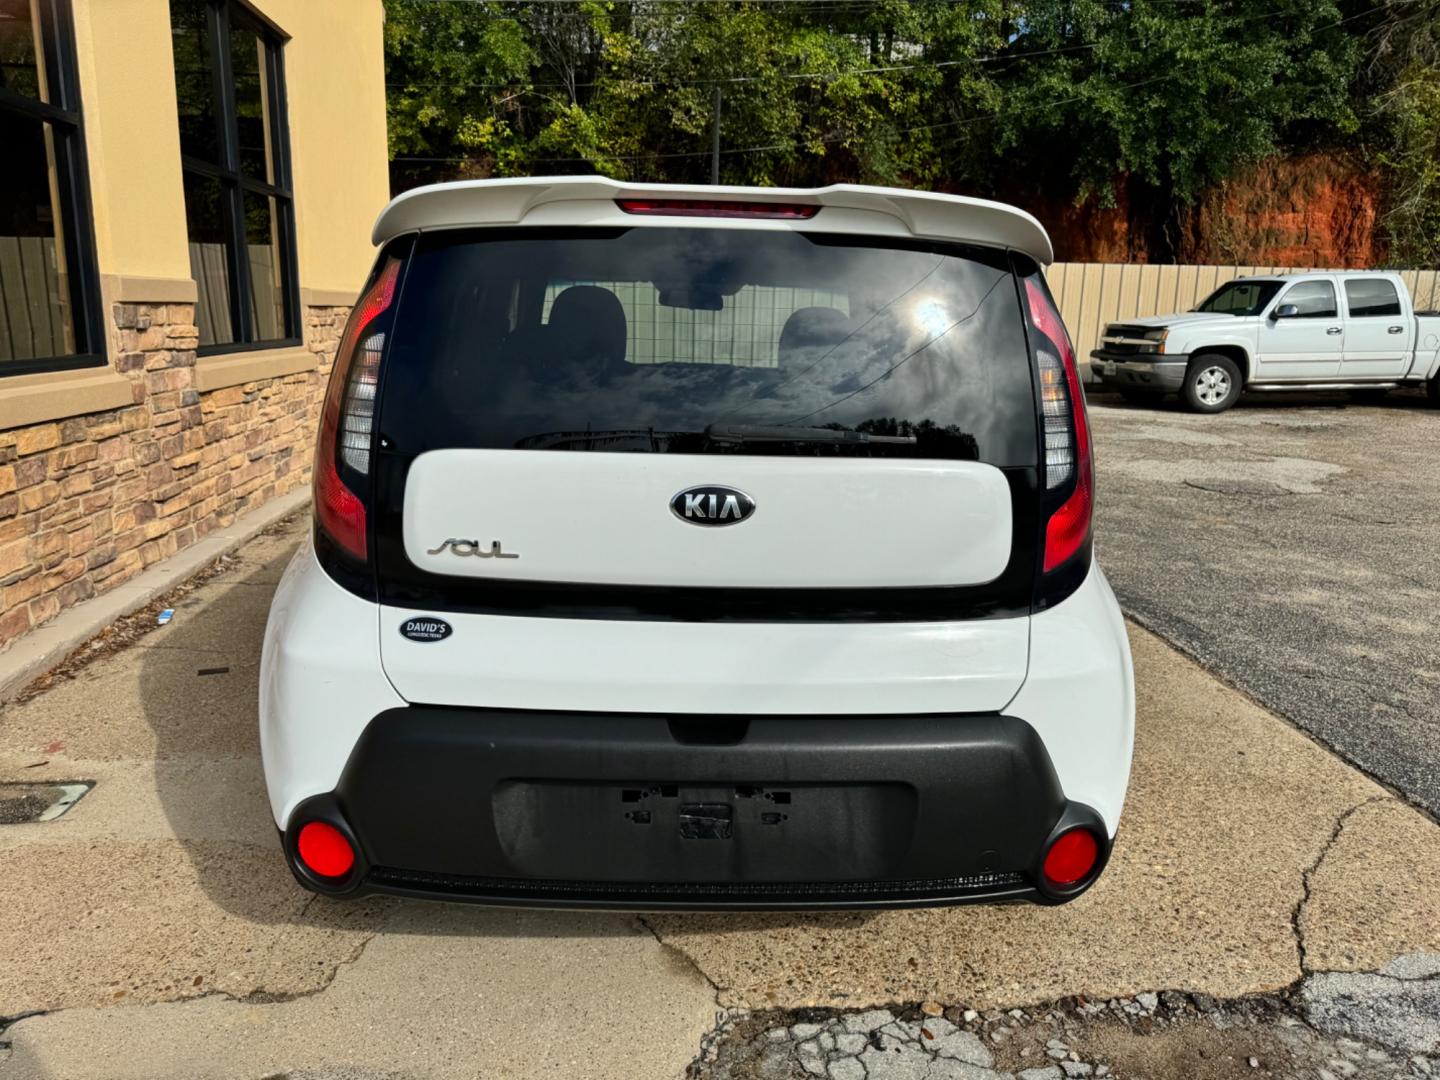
<point x="21" y="804"/>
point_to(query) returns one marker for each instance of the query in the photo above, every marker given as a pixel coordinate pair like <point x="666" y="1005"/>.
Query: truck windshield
<point x="1241" y="298"/>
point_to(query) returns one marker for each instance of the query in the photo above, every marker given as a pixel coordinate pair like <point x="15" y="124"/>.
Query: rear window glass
<point x="694" y="340"/>
<point x="1369" y="297"/>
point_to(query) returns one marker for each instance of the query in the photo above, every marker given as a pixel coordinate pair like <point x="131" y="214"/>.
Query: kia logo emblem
<point x="712" y="504"/>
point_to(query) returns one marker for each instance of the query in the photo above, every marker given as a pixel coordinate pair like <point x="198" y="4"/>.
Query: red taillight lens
<point x="718" y="208"/>
<point x="324" y="850"/>
<point x="1071" y="857"/>
<point x="1067" y="431"/>
<point x="349" y="412"/>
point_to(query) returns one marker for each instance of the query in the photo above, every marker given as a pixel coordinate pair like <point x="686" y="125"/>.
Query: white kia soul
<point x="700" y="547"/>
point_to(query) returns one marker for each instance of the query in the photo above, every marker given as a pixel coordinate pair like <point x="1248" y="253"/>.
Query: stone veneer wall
<point x="88" y="502"/>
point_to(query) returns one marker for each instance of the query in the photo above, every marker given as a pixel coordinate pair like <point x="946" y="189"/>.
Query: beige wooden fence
<point x="1093" y="294"/>
<point x="34" y="320"/>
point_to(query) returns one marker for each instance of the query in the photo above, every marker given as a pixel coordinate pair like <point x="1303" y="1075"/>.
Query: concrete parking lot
<point x="153" y="931"/>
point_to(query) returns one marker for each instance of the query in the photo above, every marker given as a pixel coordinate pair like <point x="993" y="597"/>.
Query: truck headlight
<point x="1155" y="340"/>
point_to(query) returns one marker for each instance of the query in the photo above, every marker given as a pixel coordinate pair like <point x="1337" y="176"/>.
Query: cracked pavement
<point x="153" y="930"/>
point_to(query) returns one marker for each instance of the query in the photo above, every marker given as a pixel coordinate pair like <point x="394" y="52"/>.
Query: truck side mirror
<point x="1285" y="311"/>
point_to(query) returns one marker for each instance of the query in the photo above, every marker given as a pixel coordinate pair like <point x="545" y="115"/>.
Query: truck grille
<point x="1122" y="348"/>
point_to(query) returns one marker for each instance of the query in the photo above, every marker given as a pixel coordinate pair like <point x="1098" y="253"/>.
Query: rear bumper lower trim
<point x="697" y="812"/>
<point x="704" y="896"/>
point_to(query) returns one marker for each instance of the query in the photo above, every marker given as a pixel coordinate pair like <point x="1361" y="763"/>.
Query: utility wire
<point x="757" y="78"/>
<point x="827" y="140"/>
<point x="787" y="145"/>
<point x="829" y="75"/>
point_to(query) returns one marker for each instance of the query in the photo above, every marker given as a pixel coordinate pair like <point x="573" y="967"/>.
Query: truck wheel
<point x="1212" y="384"/>
<point x="1433" y="389"/>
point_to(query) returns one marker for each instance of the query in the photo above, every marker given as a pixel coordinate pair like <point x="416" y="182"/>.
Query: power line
<point x="827" y="75"/>
<point x="829" y="140"/>
<point x="781" y="146"/>
<point x="726" y="80"/>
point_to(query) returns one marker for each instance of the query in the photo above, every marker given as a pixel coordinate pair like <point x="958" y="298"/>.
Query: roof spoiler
<point x="471" y="203"/>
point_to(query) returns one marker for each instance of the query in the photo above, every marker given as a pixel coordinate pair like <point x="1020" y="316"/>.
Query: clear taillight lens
<point x="357" y="417"/>
<point x="1067" y="431"/>
<point x="1055" y="407"/>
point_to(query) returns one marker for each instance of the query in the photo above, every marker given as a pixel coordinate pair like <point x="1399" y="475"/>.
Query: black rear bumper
<point x="655" y="812"/>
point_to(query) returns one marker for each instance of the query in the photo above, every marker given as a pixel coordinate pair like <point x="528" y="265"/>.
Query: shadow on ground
<point x="199" y="691"/>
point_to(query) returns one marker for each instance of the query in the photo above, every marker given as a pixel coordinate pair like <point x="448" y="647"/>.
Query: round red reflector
<point x="324" y="850"/>
<point x="1071" y="857"/>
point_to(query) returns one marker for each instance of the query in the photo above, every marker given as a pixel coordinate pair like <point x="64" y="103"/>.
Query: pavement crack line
<point x="269" y="997"/>
<point x="1309" y="872"/>
<point x="7" y="1022"/>
<point x="679" y="954"/>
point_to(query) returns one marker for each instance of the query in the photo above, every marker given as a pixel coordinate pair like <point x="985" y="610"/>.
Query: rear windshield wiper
<point x="756" y="433"/>
<point x="724" y="434"/>
<point x="549" y="440"/>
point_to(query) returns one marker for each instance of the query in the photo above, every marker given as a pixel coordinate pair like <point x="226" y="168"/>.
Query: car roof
<point x="591" y="200"/>
<point x="1296" y="275"/>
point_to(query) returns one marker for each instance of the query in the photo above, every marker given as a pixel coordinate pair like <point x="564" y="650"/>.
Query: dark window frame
<point x="234" y="184"/>
<point x="64" y="116"/>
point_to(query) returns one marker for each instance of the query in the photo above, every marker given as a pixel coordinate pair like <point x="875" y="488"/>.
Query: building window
<point x="49" y="284"/>
<point x="234" y="150"/>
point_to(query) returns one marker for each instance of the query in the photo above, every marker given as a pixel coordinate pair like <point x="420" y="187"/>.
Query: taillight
<point x="347" y="421"/>
<point x="324" y="850"/>
<point x="721" y="208"/>
<point x="1066" y="429"/>
<point x="1071" y="858"/>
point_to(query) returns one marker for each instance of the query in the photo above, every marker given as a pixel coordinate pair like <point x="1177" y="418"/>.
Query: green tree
<point x="1403" y="77"/>
<point x="1066" y="98"/>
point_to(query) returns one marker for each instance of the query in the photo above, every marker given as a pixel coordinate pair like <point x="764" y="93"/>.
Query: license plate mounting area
<point x="703" y="830"/>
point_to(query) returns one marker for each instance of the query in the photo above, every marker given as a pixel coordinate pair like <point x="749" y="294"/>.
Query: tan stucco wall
<point x="335" y="83"/>
<point x="132" y="136"/>
<point x="335" y="77"/>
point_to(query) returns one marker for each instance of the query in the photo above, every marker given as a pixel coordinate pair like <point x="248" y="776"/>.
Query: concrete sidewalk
<point x="158" y="933"/>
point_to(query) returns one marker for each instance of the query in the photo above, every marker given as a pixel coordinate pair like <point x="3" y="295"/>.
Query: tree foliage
<point x="1403" y="70"/>
<point x="1069" y="98"/>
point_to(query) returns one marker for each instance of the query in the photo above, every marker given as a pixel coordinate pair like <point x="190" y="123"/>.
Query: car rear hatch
<point x="680" y="468"/>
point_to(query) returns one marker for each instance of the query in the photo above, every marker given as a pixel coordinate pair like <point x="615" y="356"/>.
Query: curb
<point x="42" y="648"/>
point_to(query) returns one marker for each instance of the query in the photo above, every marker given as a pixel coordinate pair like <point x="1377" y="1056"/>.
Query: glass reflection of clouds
<point x="908" y="337"/>
<point x="932" y="317"/>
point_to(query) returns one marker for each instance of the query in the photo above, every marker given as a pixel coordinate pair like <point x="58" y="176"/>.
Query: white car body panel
<point x="817" y="522"/>
<point x="630" y="665"/>
<point x="1079" y="695"/>
<point x="322" y="678"/>
<point x="1189" y="320"/>
<point x="590" y="200"/>
<point x="1377" y="346"/>
<point x="1295" y="349"/>
<point x="321" y="682"/>
<point x="1426" y="364"/>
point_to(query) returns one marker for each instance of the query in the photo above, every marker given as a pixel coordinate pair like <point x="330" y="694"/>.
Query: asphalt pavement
<point x="1290" y="545"/>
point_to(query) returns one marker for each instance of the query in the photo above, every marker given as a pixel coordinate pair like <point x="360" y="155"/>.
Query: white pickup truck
<point x="1336" y="330"/>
